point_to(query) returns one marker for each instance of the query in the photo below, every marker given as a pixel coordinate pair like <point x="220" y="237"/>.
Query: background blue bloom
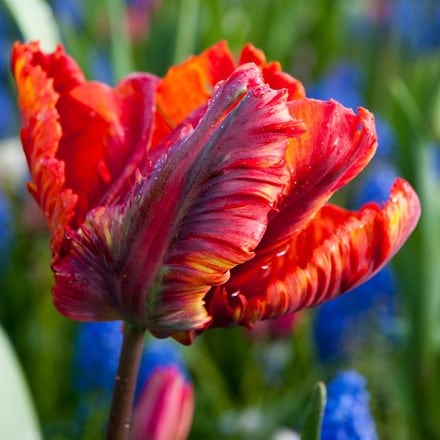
<point x="69" y="12"/>
<point x="417" y="24"/>
<point x="5" y="232"/>
<point x="344" y="327"/>
<point x="8" y="116"/>
<point x="96" y="358"/>
<point x="159" y="353"/>
<point x="347" y="413"/>
<point x="100" y="66"/>
<point x="343" y="82"/>
<point x="8" y="109"/>
<point x="97" y="349"/>
<point x="386" y="139"/>
<point x="374" y="185"/>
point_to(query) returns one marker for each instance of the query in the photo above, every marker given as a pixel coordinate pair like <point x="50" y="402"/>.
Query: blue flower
<point x="100" y="66"/>
<point x="97" y="349"/>
<point x="387" y="139"/>
<point x="374" y="185"/>
<point x="413" y="24"/>
<point x="96" y="357"/>
<point x="347" y="413"/>
<point x="417" y="24"/>
<point x="343" y="327"/>
<point x="8" y="113"/>
<point x="69" y="12"/>
<point x="95" y="364"/>
<point x="343" y="82"/>
<point x="159" y="353"/>
<point x="5" y="232"/>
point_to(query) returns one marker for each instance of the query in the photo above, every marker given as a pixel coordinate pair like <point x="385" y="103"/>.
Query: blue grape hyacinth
<point x="374" y="185"/>
<point x="69" y="12"/>
<point x="417" y="24"/>
<point x="98" y="345"/>
<point x="5" y="232"/>
<point x="159" y="353"/>
<point x="343" y="82"/>
<point x="343" y="327"/>
<point x="347" y="414"/>
<point x="95" y="364"/>
<point x="97" y="349"/>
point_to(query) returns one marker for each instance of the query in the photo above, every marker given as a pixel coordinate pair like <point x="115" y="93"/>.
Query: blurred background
<point x="377" y="348"/>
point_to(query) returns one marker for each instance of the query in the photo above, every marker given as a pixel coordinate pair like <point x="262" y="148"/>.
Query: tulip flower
<point x="165" y="406"/>
<point x="199" y="199"/>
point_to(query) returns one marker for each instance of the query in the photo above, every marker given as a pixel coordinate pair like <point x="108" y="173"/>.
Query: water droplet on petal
<point x="104" y="172"/>
<point x="281" y="253"/>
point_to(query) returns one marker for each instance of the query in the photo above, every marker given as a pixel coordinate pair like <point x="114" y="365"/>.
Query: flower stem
<point x="125" y="384"/>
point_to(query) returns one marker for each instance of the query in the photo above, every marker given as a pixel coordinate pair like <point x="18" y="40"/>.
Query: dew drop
<point x="259" y="92"/>
<point x="104" y="172"/>
<point x="281" y="253"/>
<point x="265" y="267"/>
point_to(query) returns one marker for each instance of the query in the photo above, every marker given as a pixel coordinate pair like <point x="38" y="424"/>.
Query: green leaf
<point x="36" y="21"/>
<point x="17" y="417"/>
<point x="311" y="429"/>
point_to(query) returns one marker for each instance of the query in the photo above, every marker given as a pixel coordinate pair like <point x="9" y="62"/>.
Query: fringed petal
<point x="41" y="132"/>
<point x="207" y="203"/>
<point x="335" y="147"/>
<point x="272" y="72"/>
<point x="83" y="140"/>
<point x="106" y="138"/>
<point x="189" y="85"/>
<point x="337" y="251"/>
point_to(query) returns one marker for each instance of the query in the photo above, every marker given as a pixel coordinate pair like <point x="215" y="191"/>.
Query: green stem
<point x="125" y="384"/>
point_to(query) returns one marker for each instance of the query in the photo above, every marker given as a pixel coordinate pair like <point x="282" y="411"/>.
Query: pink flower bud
<point x="165" y="408"/>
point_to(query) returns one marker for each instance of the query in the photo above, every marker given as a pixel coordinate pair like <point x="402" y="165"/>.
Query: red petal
<point x="106" y="136"/>
<point x="272" y="72"/>
<point x="189" y="85"/>
<point x="82" y="140"/>
<point x="337" y="251"/>
<point x="202" y="212"/>
<point x="335" y="147"/>
<point x="42" y="132"/>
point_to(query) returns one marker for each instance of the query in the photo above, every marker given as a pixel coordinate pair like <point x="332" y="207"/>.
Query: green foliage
<point x="36" y="21"/>
<point x="17" y="417"/>
<point x="311" y="429"/>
